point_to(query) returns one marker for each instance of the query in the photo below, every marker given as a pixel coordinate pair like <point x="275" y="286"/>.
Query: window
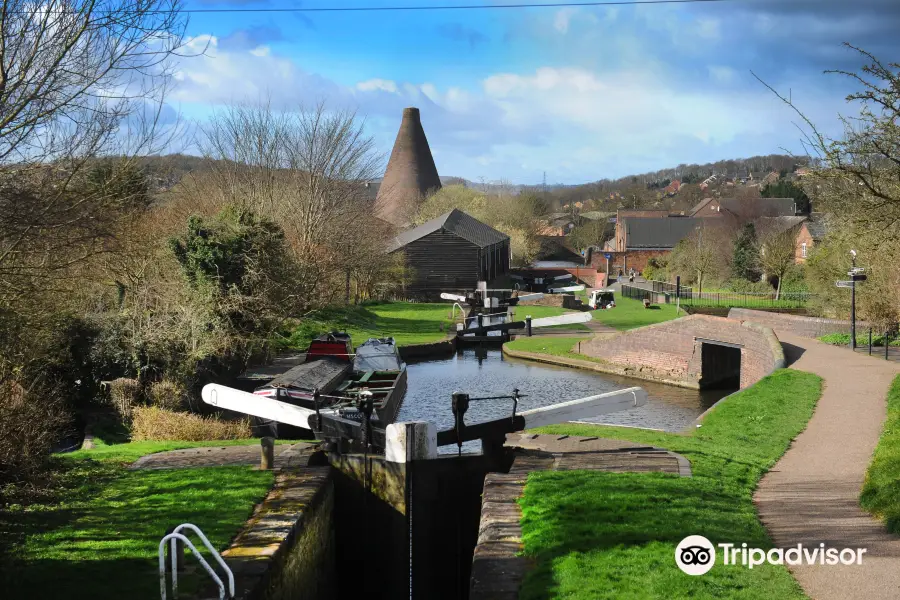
<point x="803" y="249"/>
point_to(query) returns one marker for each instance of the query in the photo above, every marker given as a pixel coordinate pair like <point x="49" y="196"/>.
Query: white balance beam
<point x="530" y="297"/>
<point x="454" y="297"/>
<point x="570" y="288"/>
<point x="257" y="406"/>
<point x="566" y="319"/>
<point x="582" y="408"/>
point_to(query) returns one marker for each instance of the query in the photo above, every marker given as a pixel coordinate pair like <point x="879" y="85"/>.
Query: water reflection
<point x="486" y="372"/>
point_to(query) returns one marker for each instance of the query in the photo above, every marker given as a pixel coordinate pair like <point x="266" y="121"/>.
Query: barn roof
<point x="457" y="222"/>
<point x="658" y="232"/>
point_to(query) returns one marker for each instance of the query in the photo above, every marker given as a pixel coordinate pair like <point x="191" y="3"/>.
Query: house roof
<point x="779" y="224"/>
<point x="457" y="222"/>
<point x="597" y="215"/>
<point x="700" y="206"/>
<point x="762" y="207"/>
<point x="817" y="226"/>
<point x="658" y="232"/>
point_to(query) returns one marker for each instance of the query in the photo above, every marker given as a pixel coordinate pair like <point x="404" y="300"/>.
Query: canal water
<point x="487" y="372"/>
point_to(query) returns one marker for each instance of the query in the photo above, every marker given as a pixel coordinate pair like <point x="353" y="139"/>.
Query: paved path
<point x="812" y="494"/>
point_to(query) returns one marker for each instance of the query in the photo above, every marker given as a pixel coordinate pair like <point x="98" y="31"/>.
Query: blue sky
<point x="581" y="93"/>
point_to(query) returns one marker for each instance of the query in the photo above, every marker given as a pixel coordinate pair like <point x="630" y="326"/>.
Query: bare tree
<point x="777" y="250"/>
<point x="700" y="254"/>
<point x="70" y="70"/>
<point x="307" y="170"/>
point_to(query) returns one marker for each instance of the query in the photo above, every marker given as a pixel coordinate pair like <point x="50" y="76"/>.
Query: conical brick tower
<point x="410" y="175"/>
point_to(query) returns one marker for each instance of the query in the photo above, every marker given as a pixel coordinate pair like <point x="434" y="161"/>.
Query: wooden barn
<point x="452" y="252"/>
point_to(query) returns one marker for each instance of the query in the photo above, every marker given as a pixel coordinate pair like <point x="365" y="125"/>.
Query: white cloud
<point x="377" y="84"/>
<point x="562" y="18"/>
<point x="721" y="73"/>
<point x="261" y="51"/>
<point x="578" y="123"/>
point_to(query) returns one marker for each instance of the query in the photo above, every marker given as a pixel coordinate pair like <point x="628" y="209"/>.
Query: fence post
<point x="870" y="341"/>
<point x="528" y="326"/>
<point x="267" y="453"/>
<point x="887" y="343"/>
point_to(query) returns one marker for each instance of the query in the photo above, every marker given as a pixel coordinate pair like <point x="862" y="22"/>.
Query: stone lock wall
<point x="670" y="352"/>
<point x="811" y="327"/>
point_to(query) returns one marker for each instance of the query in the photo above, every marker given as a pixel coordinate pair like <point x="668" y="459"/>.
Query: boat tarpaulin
<point x="324" y="374"/>
<point x="377" y="355"/>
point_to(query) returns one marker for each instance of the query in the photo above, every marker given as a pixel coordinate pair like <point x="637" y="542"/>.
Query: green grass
<point x="130" y="452"/>
<point x="407" y="323"/>
<point x="539" y="312"/>
<point x="555" y="346"/>
<point x="862" y="339"/>
<point x="881" y="490"/>
<point x="629" y="314"/>
<point x="95" y="533"/>
<point x="613" y="535"/>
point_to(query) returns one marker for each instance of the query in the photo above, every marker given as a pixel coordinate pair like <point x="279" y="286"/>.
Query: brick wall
<point x="811" y="327"/>
<point x="669" y="351"/>
<point x="636" y="259"/>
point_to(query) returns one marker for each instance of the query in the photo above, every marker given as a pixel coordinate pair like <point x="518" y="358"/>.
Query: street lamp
<point x="853" y="300"/>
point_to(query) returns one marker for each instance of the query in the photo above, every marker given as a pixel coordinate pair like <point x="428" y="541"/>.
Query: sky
<point x="581" y="93"/>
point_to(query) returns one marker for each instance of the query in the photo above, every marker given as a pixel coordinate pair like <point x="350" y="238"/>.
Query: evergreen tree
<point x="788" y="189"/>
<point x="745" y="257"/>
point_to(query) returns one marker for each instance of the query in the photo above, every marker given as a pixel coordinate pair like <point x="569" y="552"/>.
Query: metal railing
<point x="746" y="299"/>
<point x="636" y="293"/>
<point x="175" y="537"/>
<point x="664" y="287"/>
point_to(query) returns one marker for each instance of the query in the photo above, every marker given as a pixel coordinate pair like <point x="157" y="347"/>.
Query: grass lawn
<point x="539" y="312"/>
<point x="95" y="534"/>
<point x="556" y="346"/>
<point x="881" y="490"/>
<point x="629" y="314"/>
<point x="408" y="323"/>
<point x="613" y="535"/>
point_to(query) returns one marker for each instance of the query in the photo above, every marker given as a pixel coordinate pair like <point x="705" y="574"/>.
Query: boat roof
<point x="377" y="354"/>
<point x="323" y="374"/>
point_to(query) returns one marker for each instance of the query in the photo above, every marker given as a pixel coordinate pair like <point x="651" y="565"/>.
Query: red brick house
<point x="811" y="232"/>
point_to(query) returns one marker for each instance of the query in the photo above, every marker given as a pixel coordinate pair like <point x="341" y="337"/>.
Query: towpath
<point x="811" y="495"/>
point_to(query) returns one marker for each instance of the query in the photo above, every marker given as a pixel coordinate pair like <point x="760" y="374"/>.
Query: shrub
<point x="153" y="423"/>
<point x="30" y="424"/>
<point x="125" y="394"/>
<point x="166" y="394"/>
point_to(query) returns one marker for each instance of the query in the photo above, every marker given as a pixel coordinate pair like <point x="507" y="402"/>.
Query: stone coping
<point x="600" y="366"/>
<point x="498" y="566"/>
<point x="268" y="536"/>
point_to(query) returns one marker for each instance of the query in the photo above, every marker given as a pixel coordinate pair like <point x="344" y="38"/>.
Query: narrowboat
<point x="339" y="375"/>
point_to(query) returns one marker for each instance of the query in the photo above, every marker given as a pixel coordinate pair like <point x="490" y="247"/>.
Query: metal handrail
<point x="175" y="536"/>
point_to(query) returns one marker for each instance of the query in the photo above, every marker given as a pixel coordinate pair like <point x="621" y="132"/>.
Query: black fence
<point x="636" y="293"/>
<point x="746" y="300"/>
<point x="664" y="287"/>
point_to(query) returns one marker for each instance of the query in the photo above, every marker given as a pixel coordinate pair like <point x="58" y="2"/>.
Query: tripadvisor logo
<point x="696" y="555"/>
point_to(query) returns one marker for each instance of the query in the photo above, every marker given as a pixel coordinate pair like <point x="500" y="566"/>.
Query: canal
<point x="487" y="372"/>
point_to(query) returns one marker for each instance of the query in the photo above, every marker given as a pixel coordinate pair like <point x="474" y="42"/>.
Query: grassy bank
<point x="629" y="314"/>
<point x="95" y="530"/>
<point x="407" y="323"/>
<point x="862" y="339"/>
<point x="555" y="346"/>
<point x="881" y="490"/>
<point x="613" y="535"/>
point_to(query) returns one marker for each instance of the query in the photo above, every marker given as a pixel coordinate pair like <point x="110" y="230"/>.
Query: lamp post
<point x="853" y="301"/>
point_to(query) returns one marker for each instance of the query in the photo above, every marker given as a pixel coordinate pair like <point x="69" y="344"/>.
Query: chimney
<point x="411" y="174"/>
